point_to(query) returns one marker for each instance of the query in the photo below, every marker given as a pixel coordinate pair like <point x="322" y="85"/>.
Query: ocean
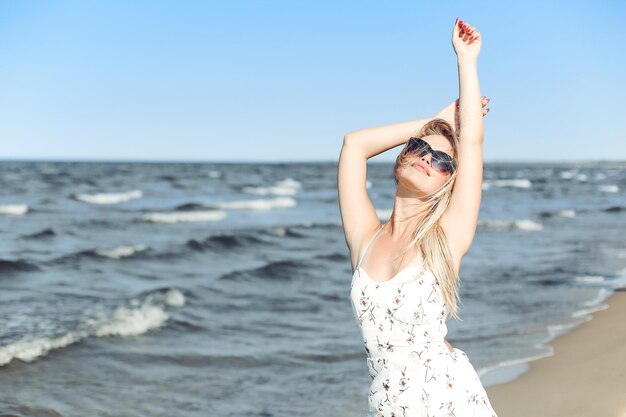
<point x="222" y="289"/>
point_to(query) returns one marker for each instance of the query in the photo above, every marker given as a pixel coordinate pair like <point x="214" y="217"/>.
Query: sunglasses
<point x="441" y="161"/>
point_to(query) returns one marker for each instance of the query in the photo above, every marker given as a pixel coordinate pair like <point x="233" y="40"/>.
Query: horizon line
<point x="286" y="161"/>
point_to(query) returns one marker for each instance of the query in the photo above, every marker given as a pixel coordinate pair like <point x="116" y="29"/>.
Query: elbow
<point x="352" y="145"/>
<point x="348" y="137"/>
<point x="348" y="140"/>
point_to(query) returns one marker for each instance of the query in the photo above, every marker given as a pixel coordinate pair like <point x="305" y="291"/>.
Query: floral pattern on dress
<point x="413" y="373"/>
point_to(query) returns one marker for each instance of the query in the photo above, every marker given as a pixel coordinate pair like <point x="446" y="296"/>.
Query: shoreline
<point x="585" y="376"/>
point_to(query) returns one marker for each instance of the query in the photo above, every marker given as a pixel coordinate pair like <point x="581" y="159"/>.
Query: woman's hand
<point x="466" y="41"/>
<point x="450" y="113"/>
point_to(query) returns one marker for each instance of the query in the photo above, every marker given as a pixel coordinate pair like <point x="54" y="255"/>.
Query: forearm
<point x="470" y="103"/>
<point x="376" y="140"/>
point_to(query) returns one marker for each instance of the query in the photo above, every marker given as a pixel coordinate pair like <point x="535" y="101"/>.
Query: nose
<point x="427" y="157"/>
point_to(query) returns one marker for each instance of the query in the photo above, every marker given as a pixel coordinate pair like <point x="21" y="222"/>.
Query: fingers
<point x="484" y="100"/>
<point x="474" y="36"/>
<point x="467" y="32"/>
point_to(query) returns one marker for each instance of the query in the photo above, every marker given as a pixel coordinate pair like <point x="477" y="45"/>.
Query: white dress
<point x="413" y="372"/>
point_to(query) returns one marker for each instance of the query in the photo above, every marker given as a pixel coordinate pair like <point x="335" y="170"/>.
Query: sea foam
<point x="191" y="216"/>
<point x="133" y="320"/>
<point x="13" y="209"/>
<point x="259" y="204"/>
<point x="506" y="225"/>
<point x="288" y="186"/>
<point x="109" y="198"/>
<point x="121" y="251"/>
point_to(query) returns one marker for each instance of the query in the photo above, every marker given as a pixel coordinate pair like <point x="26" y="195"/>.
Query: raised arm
<point x="358" y="214"/>
<point x="376" y="140"/>
<point x="461" y="217"/>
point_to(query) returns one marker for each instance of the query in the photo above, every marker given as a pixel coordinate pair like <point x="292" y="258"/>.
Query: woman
<point x="405" y="281"/>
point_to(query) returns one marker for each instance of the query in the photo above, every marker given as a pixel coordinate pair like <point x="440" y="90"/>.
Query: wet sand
<point x="586" y="376"/>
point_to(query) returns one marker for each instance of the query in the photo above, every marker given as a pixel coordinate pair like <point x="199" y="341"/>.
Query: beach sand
<point x="586" y="376"/>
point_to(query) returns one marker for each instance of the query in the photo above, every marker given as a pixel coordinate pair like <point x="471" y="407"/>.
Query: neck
<point x="407" y="212"/>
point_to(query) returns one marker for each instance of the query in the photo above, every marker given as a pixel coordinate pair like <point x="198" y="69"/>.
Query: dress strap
<point x="368" y="245"/>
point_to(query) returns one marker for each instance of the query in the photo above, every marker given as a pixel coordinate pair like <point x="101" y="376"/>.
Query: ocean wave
<point x="13" y="209"/>
<point x="225" y="242"/>
<point x="566" y="213"/>
<point x="589" y="279"/>
<point x="109" y="198"/>
<point x="189" y="207"/>
<point x="309" y="224"/>
<point x="118" y="252"/>
<point x="508" y="225"/>
<point x="585" y="313"/>
<point x="561" y="213"/>
<point x="16" y="266"/>
<point x="609" y="188"/>
<point x="48" y="232"/>
<point x="517" y="183"/>
<point x="285" y="232"/>
<point x="288" y="186"/>
<point x="284" y="270"/>
<point x="600" y="176"/>
<point x="601" y="296"/>
<point x="513" y="362"/>
<point x="133" y="320"/>
<point x="260" y="204"/>
<point x="191" y="216"/>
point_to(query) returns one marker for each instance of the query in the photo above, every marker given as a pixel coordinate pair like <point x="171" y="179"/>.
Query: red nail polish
<point x="457" y="19"/>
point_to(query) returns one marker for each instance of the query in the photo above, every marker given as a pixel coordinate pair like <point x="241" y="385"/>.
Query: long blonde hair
<point x="427" y="234"/>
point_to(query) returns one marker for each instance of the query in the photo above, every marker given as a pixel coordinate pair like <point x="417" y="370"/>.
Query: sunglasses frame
<point x="441" y="161"/>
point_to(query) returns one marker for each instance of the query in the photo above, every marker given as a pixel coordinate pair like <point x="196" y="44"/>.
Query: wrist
<point x="464" y="60"/>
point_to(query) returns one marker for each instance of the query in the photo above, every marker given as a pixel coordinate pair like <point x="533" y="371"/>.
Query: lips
<point x="420" y="167"/>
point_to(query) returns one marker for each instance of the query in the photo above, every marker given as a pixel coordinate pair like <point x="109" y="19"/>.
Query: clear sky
<point x="285" y="80"/>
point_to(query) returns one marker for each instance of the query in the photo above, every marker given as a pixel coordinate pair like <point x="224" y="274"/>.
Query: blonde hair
<point x="428" y="236"/>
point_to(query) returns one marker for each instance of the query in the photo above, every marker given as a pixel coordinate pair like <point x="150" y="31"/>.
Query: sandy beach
<point x="586" y="376"/>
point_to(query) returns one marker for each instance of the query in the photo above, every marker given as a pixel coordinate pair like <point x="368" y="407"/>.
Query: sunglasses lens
<point x="445" y="166"/>
<point x="416" y="144"/>
<point x="441" y="161"/>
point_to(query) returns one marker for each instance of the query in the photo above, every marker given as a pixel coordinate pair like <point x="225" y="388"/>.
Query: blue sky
<point x="284" y="81"/>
